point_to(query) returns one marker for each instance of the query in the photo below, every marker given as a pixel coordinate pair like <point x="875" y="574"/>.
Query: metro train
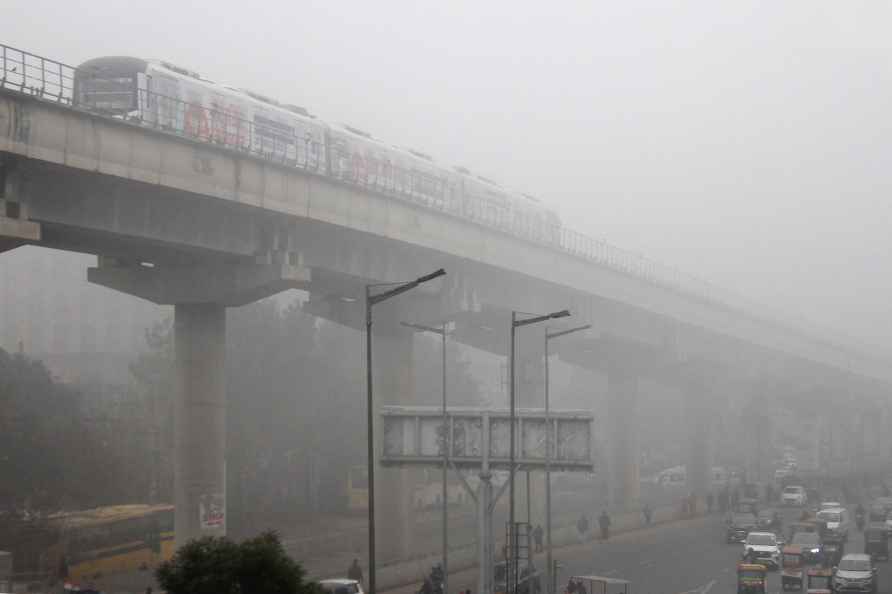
<point x="171" y="98"/>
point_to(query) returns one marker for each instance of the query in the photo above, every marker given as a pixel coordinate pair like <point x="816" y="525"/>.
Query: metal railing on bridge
<point x="51" y="80"/>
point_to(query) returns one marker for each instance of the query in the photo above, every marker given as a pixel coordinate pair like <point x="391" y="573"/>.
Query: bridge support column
<point x="200" y="421"/>
<point x="200" y="295"/>
<point x="623" y="446"/>
<point x="699" y="451"/>
<point x="394" y="487"/>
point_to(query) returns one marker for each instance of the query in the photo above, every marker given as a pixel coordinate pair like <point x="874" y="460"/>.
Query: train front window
<point x="112" y="94"/>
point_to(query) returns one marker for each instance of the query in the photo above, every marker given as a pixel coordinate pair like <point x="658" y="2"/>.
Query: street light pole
<point x="549" y="562"/>
<point x="447" y="439"/>
<point x="370" y="301"/>
<point x="512" y="545"/>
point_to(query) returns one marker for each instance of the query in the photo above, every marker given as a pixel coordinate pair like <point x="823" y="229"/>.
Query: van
<point x="837" y="522"/>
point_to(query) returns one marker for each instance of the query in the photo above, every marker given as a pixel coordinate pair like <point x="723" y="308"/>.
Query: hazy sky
<point x="745" y="142"/>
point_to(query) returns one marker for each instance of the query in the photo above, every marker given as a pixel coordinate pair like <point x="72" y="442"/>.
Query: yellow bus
<point x="116" y="539"/>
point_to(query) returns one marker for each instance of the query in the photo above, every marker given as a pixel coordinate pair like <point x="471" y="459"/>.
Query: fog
<point x="746" y="143"/>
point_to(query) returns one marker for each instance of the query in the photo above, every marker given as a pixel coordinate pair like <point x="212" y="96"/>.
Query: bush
<point x="214" y="565"/>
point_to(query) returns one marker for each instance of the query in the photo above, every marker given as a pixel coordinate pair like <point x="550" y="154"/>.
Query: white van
<point x="837" y="520"/>
<point x="794" y="495"/>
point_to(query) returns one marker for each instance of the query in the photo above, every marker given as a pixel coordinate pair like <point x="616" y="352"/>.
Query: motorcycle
<point x="433" y="584"/>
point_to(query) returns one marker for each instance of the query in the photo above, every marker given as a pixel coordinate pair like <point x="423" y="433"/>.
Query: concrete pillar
<point x="200" y="421"/>
<point x="699" y="419"/>
<point x="394" y="385"/>
<point x="622" y="428"/>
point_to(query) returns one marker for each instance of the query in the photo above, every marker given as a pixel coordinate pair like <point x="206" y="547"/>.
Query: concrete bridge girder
<point x="231" y="285"/>
<point x="114" y="216"/>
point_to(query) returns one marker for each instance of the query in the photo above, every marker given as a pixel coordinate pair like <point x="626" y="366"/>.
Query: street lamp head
<point x="428" y="277"/>
<point x="564" y="313"/>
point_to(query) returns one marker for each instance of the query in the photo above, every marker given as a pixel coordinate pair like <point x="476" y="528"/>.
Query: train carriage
<point x="174" y="99"/>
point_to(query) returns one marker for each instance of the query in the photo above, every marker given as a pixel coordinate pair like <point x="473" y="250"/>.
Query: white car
<point x="762" y="548"/>
<point x="837" y="521"/>
<point x="341" y="586"/>
<point x="794" y="495"/>
<point x="830" y="505"/>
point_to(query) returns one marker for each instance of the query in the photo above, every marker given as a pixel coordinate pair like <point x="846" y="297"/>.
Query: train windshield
<point x="115" y="94"/>
<point x="109" y="84"/>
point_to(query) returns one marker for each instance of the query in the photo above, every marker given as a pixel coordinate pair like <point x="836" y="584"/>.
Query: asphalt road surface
<point x="688" y="557"/>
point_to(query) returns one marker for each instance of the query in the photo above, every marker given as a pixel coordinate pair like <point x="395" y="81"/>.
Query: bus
<point x="109" y="540"/>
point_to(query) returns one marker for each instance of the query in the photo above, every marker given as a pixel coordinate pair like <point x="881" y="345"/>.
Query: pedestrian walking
<point x="354" y="572"/>
<point x="582" y="527"/>
<point x="604" y="523"/>
<point x="648" y="513"/>
<point x="537" y="537"/>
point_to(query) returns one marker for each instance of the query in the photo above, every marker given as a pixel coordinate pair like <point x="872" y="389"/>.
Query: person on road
<point x="604" y="523"/>
<point x="537" y="537"/>
<point x="354" y="572"/>
<point x="723" y="500"/>
<point x="859" y="516"/>
<point x="582" y="527"/>
<point x="648" y="514"/>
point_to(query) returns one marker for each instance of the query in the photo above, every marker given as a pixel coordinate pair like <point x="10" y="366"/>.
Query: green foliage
<point x="49" y="454"/>
<point x="220" y="566"/>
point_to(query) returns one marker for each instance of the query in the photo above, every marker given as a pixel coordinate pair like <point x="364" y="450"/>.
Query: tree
<point x="213" y="565"/>
<point x="49" y="452"/>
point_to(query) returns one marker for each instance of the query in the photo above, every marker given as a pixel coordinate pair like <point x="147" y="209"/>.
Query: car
<point x="810" y="544"/>
<point x="836" y="522"/>
<point x="747" y="505"/>
<point x="341" y="586"/>
<point x="761" y="548"/>
<point x="769" y="519"/>
<point x="739" y="525"/>
<point x="855" y="573"/>
<point x="830" y="505"/>
<point x="794" y="495"/>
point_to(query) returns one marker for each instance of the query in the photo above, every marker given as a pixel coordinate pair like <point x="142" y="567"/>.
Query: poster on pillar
<point x="212" y="512"/>
<point x="473" y="437"/>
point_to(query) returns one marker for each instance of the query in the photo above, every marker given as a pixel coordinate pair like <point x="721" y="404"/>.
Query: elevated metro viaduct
<point x="201" y="227"/>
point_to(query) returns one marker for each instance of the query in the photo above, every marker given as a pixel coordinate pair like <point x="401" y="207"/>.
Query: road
<point x="688" y="557"/>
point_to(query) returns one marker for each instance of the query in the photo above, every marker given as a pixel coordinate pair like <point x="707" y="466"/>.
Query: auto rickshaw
<point x="595" y="584"/>
<point x="750" y="578"/>
<point x="876" y="541"/>
<point x="792" y="568"/>
<point x="797" y="527"/>
<point x="819" y="581"/>
<point x="832" y="553"/>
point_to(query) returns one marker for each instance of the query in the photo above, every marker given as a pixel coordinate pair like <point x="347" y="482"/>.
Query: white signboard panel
<point x="418" y="435"/>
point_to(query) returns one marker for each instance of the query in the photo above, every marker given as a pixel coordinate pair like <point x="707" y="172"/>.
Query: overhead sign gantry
<point x="479" y="439"/>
